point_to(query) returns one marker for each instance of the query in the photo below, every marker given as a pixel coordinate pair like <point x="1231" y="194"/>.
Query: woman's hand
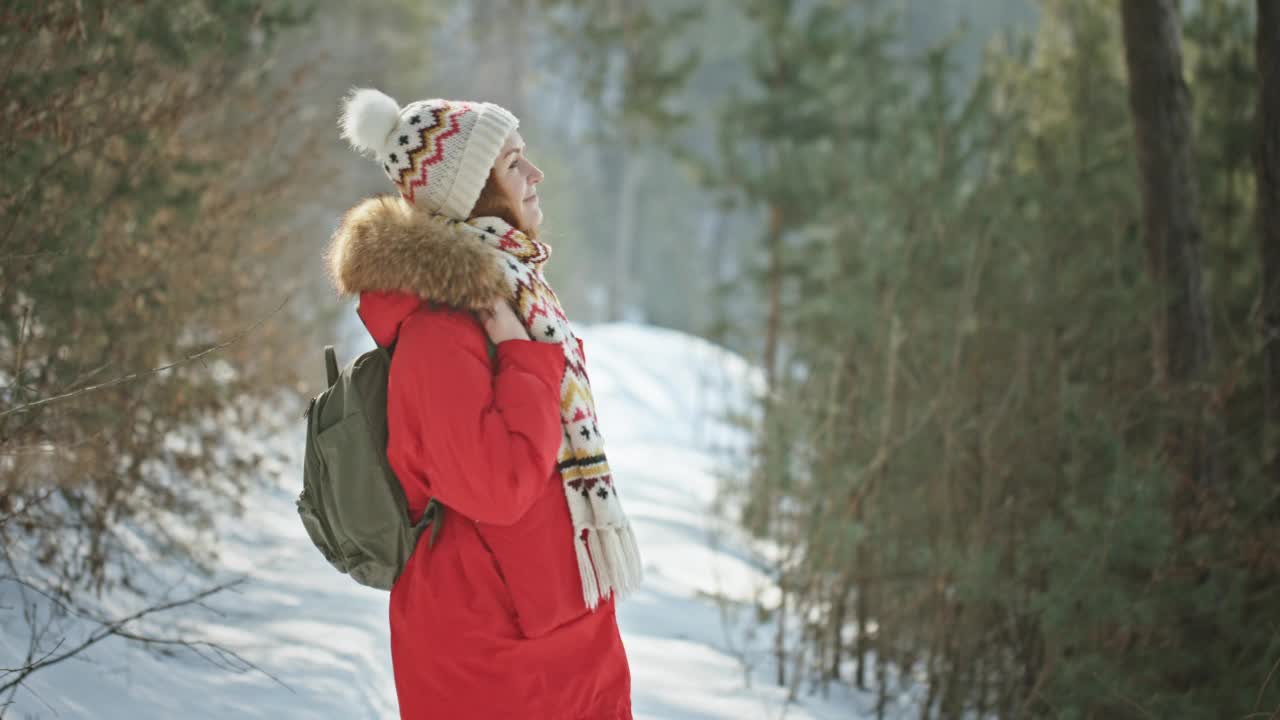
<point x="501" y="323"/>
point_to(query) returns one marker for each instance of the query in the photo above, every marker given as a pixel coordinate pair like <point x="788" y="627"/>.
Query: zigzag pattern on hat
<point x="425" y="148"/>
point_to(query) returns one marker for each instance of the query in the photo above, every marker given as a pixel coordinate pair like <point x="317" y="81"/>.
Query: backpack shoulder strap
<point x="331" y="364"/>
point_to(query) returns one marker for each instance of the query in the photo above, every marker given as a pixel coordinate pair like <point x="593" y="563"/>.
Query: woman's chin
<point x="532" y="215"/>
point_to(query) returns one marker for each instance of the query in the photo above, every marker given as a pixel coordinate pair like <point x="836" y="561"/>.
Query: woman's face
<point x="516" y="177"/>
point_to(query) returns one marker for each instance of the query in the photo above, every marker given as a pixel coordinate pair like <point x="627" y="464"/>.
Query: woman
<point x="509" y="613"/>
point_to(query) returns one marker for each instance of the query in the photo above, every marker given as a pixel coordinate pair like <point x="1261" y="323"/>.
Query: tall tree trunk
<point x="981" y="706"/>
<point x="773" y="243"/>
<point x="760" y="510"/>
<point x="505" y="72"/>
<point x="932" y="681"/>
<point x="835" y="633"/>
<point x="633" y="170"/>
<point x="780" y="631"/>
<point x="1268" y="200"/>
<point x="712" y="244"/>
<point x="882" y="686"/>
<point x="633" y="167"/>
<point x="861" y="644"/>
<point x="1161" y="107"/>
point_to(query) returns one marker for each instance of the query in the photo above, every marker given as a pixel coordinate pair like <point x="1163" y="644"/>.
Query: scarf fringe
<point x="631" y="556"/>
<point x="612" y="565"/>
<point x="590" y="588"/>
<point x="600" y="561"/>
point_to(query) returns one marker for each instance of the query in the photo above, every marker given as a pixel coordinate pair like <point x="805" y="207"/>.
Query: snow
<point x="318" y="641"/>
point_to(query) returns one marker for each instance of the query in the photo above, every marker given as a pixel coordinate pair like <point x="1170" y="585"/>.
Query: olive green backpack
<point x="351" y="504"/>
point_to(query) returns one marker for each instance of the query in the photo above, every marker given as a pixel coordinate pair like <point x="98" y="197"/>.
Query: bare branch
<point x="107" y="629"/>
<point x="144" y="374"/>
<point x="31" y="504"/>
<point x="220" y="653"/>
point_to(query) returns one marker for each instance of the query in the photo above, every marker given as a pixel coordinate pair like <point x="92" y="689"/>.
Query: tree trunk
<point x="780" y="633"/>
<point x="931" y="684"/>
<point x="505" y="73"/>
<point x="1268" y="199"/>
<point x="758" y="515"/>
<point x="860" y="640"/>
<point x="1161" y="107"/>
<point x="773" y="243"/>
<point x="836" y="631"/>
<point x="712" y="244"/>
<point x="882" y="685"/>
<point x="633" y="167"/>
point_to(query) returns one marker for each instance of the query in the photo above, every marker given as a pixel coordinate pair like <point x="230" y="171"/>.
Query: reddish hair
<point x="493" y="201"/>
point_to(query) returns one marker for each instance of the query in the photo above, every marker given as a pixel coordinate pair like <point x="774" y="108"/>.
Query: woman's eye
<point x="513" y="165"/>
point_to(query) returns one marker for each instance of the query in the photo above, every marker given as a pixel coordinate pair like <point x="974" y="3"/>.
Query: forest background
<point x="1011" y="270"/>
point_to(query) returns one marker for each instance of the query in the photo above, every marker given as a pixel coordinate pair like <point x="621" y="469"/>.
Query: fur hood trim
<point x="385" y="244"/>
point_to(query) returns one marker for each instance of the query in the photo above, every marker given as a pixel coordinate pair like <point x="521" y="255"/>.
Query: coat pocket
<point x="538" y="564"/>
<point x="494" y="579"/>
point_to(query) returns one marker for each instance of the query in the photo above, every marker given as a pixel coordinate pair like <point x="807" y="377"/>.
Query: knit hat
<point x="437" y="152"/>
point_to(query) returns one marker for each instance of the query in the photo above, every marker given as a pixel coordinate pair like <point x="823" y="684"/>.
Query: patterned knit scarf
<point x="602" y="535"/>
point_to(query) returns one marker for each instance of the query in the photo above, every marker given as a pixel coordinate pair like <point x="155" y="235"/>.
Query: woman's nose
<point x="537" y="175"/>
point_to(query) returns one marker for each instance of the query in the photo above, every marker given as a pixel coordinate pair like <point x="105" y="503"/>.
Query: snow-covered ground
<point x="319" y="641"/>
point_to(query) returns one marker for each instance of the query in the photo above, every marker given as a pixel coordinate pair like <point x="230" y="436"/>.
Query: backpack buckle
<point x="432" y="516"/>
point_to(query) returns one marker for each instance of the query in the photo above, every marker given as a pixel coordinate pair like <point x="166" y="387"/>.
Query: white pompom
<point x="368" y="117"/>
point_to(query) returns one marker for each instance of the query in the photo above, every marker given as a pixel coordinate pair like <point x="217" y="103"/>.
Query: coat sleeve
<point x="487" y="434"/>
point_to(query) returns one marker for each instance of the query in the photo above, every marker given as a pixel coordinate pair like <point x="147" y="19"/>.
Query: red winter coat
<point x="489" y="622"/>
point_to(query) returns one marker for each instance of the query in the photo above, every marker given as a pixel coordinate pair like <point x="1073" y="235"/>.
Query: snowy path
<point x="325" y="638"/>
